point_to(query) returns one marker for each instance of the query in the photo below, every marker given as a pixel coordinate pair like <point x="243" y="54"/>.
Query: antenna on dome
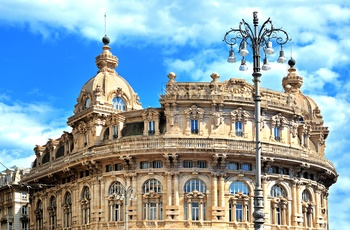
<point x="291" y="48"/>
<point x="105" y="23"/>
<point x="105" y="39"/>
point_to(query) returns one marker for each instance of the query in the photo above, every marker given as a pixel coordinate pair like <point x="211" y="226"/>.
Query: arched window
<point x="152" y="200"/>
<point x="46" y="157"/>
<point x="52" y="212"/>
<point x="118" y="104"/>
<point x="195" y="200"/>
<point x="67" y="210"/>
<point x="239" y="208"/>
<point x="60" y="152"/>
<point x="87" y="103"/>
<point x="277" y="191"/>
<point x="195" y="184"/>
<point x="116" y="201"/>
<point x="306" y="197"/>
<point x="85" y="205"/>
<point x="307" y="208"/>
<point x="279" y="205"/>
<point x="106" y="134"/>
<point x="239" y="187"/>
<point x="39" y="215"/>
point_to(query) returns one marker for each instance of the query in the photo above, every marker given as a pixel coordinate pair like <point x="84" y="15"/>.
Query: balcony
<point x="156" y="145"/>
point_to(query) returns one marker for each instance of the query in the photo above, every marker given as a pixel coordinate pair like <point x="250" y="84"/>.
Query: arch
<point x="183" y="180"/>
<point x="195" y="184"/>
<point x="60" y="152"/>
<point x="39" y="214"/>
<point x="116" y="188"/>
<point x="119" y="103"/>
<point x="85" y="193"/>
<point x="118" y="93"/>
<point x="306" y="196"/>
<point x="110" y="183"/>
<point x="284" y="185"/>
<point x="85" y="205"/>
<point x="106" y="133"/>
<point x="277" y="191"/>
<point x="67" y="210"/>
<point x="46" y="158"/>
<point x="151" y="185"/>
<point x="246" y="180"/>
<point x="239" y="187"/>
<point x="52" y="212"/>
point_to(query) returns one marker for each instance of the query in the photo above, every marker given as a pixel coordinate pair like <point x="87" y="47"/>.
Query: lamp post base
<point x="258" y="213"/>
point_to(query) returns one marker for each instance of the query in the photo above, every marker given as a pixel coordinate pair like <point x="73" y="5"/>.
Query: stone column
<point x="214" y="190"/>
<point x="169" y="189"/>
<point x="294" y="204"/>
<point x="176" y="189"/>
<point x="222" y="191"/>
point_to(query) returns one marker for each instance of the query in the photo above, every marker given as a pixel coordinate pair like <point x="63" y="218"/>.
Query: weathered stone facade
<point x="14" y="198"/>
<point x="186" y="165"/>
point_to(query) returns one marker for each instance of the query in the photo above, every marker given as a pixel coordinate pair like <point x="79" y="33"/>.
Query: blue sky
<point x="48" y="50"/>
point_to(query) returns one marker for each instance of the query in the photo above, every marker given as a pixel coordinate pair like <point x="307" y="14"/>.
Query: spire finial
<point x="105" y="24"/>
<point x="105" y="39"/>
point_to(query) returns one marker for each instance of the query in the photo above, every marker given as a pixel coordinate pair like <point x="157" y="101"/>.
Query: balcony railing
<point x="149" y="145"/>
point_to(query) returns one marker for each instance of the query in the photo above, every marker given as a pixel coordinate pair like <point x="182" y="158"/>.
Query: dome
<point x="107" y="88"/>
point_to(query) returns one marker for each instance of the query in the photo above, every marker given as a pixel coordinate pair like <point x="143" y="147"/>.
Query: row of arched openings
<point x="195" y="200"/>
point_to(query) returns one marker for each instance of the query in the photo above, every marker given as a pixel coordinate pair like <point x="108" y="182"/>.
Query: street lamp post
<point x="128" y="194"/>
<point x="256" y="38"/>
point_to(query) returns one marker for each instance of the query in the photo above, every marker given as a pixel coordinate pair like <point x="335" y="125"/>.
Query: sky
<point x="48" y="50"/>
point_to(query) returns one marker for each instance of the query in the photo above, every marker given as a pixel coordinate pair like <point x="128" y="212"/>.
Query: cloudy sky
<point x="48" y="50"/>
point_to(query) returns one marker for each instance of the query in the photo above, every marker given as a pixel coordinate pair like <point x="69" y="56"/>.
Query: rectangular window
<point x="239" y="128"/>
<point x="230" y="212"/>
<point x="116" y="214"/>
<point x="277" y="134"/>
<point x="144" y="165"/>
<point x="194" y="126"/>
<point x="157" y="164"/>
<point x="118" y="167"/>
<point x="239" y="212"/>
<point x="160" y="207"/>
<point x="151" y="127"/>
<point x="278" y="216"/>
<point x="273" y="169"/>
<point x="285" y="171"/>
<point x="24" y="226"/>
<point x="195" y="210"/>
<point x="187" y="164"/>
<point x="24" y="210"/>
<point x="109" y="168"/>
<point x="24" y="195"/>
<point x="305" y="137"/>
<point x="115" y="132"/>
<point x="201" y="164"/>
<point x="9" y="211"/>
<point x="246" y="167"/>
<point x="85" y="139"/>
<point x="152" y="211"/>
<point x="232" y="166"/>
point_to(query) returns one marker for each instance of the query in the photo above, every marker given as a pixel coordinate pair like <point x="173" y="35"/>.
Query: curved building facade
<point x="188" y="164"/>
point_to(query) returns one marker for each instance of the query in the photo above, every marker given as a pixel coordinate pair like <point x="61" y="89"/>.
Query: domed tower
<point x="104" y="94"/>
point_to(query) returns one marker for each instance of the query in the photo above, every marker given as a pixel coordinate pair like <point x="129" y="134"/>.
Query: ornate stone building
<point x="188" y="164"/>
<point x="13" y="200"/>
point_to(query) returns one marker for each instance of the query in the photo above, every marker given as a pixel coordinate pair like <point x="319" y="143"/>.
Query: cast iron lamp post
<point x="256" y="38"/>
<point x="127" y="194"/>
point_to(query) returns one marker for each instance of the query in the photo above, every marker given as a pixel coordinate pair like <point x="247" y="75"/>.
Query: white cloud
<point x="321" y="47"/>
<point x="28" y="124"/>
